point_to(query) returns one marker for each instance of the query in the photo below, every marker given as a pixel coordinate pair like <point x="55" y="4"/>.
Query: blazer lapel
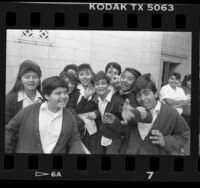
<point x="19" y="105"/>
<point x="36" y="125"/>
<point x="109" y="106"/>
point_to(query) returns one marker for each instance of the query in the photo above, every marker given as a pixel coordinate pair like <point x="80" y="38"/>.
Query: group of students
<point x="79" y="112"/>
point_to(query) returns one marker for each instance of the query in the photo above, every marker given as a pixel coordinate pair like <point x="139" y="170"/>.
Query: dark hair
<point x="114" y="65"/>
<point x="100" y="76"/>
<point x="26" y="66"/>
<point x="135" y="72"/>
<point x="69" y="75"/>
<point x="51" y="83"/>
<point x="70" y="66"/>
<point x="84" y="66"/>
<point x="187" y="77"/>
<point x="145" y="82"/>
<point x="177" y="75"/>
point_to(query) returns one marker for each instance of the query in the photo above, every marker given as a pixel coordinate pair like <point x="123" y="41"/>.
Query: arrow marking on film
<point x="37" y="174"/>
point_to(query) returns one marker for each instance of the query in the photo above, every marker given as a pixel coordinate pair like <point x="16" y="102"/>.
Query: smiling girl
<point x="26" y="90"/>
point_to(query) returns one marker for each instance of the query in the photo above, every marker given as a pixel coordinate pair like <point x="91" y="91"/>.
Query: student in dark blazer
<point x="45" y="127"/>
<point x="127" y="92"/>
<point x="110" y="106"/>
<point x="166" y="134"/>
<point x="104" y="102"/>
<point x="26" y="90"/>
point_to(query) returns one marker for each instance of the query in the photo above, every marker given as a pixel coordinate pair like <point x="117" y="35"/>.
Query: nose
<point x="84" y="76"/>
<point x="100" y="85"/>
<point x="143" y="97"/>
<point x="31" y="79"/>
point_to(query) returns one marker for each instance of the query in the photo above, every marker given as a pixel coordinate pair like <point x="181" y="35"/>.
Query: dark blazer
<point x="114" y="107"/>
<point x="22" y="133"/>
<point x="125" y="129"/>
<point x="72" y="106"/>
<point x="174" y="129"/>
<point x="12" y="106"/>
<point x="73" y="98"/>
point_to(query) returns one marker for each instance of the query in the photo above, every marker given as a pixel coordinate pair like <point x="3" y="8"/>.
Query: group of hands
<point x="127" y="114"/>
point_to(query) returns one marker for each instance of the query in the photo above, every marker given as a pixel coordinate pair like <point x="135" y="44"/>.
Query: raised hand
<point x="143" y="112"/>
<point x="127" y="112"/>
<point x="115" y="80"/>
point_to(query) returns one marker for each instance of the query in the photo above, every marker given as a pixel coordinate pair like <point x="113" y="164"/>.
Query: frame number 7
<point x="150" y="174"/>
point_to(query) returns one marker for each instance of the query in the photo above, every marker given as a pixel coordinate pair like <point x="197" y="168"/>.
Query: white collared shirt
<point x="102" y="106"/>
<point x="50" y="125"/>
<point x="82" y="93"/>
<point x="175" y="94"/>
<point x="144" y="128"/>
<point x="26" y="100"/>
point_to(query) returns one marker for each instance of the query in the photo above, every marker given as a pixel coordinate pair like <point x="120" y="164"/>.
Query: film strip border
<point x="85" y="21"/>
<point x="86" y="16"/>
<point x="118" y="168"/>
<point x="73" y="167"/>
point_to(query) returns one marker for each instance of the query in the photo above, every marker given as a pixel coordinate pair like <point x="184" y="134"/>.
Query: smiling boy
<point x="45" y="127"/>
<point x="85" y="88"/>
<point x="168" y="132"/>
<point x="110" y="107"/>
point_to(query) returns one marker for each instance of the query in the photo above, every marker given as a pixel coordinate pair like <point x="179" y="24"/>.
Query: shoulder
<point x="76" y="92"/>
<point x="180" y="89"/>
<point x="168" y="110"/>
<point x="117" y="97"/>
<point x="29" y="111"/>
<point x="12" y="96"/>
<point x="67" y="113"/>
<point x="33" y="107"/>
<point x="165" y="87"/>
